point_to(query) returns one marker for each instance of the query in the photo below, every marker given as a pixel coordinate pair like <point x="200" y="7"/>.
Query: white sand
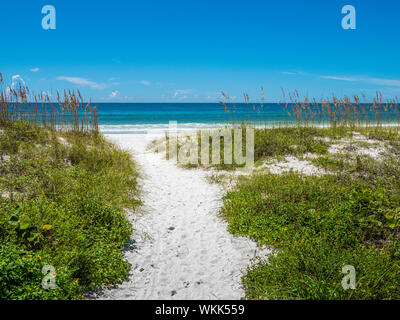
<point x="292" y="163"/>
<point x="181" y="248"/>
<point x="376" y="149"/>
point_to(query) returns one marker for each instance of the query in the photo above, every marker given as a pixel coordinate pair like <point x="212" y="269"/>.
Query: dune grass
<point x="271" y="142"/>
<point x="61" y="203"/>
<point x="69" y="113"/>
<point x="318" y="224"/>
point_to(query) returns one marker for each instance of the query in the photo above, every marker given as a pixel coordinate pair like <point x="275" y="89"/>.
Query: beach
<point x="135" y="224"/>
<point x="180" y="248"/>
<point x="156" y="151"/>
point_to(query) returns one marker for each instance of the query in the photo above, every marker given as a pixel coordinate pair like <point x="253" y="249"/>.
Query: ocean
<point x="138" y="117"/>
<point x="155" y="117"/>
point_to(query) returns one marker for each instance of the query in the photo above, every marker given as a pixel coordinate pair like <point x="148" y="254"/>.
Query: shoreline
<point x="162" y="128"/>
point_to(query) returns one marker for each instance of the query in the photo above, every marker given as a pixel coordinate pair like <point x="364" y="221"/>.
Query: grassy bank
<point x="61" y="201"/>
<point x="319" y="223"/>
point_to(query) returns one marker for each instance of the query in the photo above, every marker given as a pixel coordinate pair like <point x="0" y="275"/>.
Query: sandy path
<point x="180" y="248"/>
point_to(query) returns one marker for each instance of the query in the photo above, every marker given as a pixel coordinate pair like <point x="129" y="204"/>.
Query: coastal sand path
<point x="180" y="248"/>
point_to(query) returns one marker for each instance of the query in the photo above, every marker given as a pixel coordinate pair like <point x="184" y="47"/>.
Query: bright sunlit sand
<point x="181" y="248"/>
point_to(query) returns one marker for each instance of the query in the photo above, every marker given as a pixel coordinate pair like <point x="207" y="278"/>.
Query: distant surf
<point x="144" y="118"/>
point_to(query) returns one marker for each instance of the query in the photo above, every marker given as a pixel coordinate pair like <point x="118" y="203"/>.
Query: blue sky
<point x="188" y="51"/>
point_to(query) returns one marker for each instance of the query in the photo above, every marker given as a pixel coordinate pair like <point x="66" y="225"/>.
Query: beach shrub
<point x="317" y="225"/>
<point x="288" y="141"/>
<point x="63" y="199"/>
<point x="275" y="142"/>
<point x="21" y="276"/>
<point x="312" y="269"/>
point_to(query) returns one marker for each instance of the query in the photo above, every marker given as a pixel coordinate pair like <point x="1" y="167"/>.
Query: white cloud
<point x="337" y="78"/>
<point x="15" y="81"/>
<point x="46" y="93"/>
<point x="376" y="81"/>
<point x="35" y="69"/>
<point x="180" y="92"/>
<point x="213" y="95"/>
<point x="17" y="78"/>
<point x="385" y="82"/>
<point x="83" y="82"/>
<point x="286" y="72"/>
<point x="114" y="94"/>
<point x="145" y="82"/>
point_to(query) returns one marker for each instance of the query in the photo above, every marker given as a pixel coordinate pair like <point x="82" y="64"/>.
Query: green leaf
<point x="32" y="237"/>
<point x="47" y="227"/>
<point x="13" y="221"/>
<point x="13" y="218"/>
<point x="24" y="223"/>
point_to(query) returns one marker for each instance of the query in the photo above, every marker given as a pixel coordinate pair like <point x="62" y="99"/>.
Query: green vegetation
<point x="318" y="224"/>
<point x="271" y="142"/>
<point x="61" y="200"/>
<point x="277" y="142"/>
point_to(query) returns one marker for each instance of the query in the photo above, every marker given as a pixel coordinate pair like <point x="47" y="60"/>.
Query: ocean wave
<point x="157" y="128"/>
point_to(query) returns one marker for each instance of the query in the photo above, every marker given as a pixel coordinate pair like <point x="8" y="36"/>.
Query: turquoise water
<point x="142" y="117"/>
<point x="145" y="113"/>
<point x="145" y="117"/>
<point x="114" y="117"/>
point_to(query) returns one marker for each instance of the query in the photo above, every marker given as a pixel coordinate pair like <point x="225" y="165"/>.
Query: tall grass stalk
<point x="70" y="112"/>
